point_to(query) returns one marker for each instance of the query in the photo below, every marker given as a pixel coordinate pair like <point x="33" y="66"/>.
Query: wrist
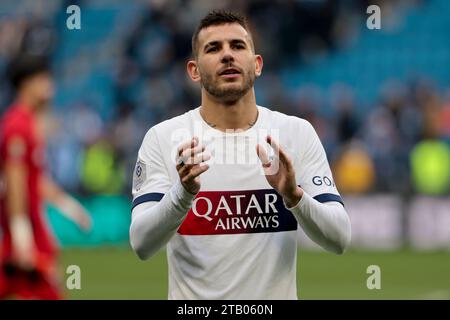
<point x="21" y="232"/>
<point x="293" y="199"/>
<point x="188" y="190"/>
<point x="183" y="193"/>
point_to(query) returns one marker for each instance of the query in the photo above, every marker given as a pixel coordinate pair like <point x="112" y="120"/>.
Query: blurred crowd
<point x="96" y="136"/>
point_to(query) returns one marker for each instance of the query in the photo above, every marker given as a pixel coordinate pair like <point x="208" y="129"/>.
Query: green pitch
<point x="116" y="273"/>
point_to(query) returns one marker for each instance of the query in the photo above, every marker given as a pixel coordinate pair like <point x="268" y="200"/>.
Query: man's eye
<point x="239" y="46"/>
<point x="213" y="49"/>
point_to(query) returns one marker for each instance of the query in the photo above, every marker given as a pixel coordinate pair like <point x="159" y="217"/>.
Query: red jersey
<point x="20" y="141"/>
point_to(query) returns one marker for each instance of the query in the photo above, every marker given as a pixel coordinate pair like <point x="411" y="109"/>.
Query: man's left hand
<point x="280" y="173"/>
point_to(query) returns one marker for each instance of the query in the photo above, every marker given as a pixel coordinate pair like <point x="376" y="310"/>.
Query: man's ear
<point x="192" y="70"/>
<point x="258" y="65"/>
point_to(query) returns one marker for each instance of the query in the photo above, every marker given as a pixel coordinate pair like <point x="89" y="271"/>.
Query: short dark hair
<point x="25" y="66"/>
<point x="216" y="18"/>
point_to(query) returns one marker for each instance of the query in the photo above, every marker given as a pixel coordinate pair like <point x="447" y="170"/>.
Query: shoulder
<point x="288" y="124"/>
<point x="163" y="133"/>
<point x="169" y="125"/>
<point x="14" y="121"/>
<point x="296" y="135"/>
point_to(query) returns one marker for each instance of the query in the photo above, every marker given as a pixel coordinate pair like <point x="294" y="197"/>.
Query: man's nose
<point x="227" y="55"/>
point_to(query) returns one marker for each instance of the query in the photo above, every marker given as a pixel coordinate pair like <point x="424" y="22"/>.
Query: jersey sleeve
<point x="150" y="177"/>
<point x="314" y="174"/>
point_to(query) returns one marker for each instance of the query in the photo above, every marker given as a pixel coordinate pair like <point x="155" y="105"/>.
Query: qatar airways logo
<point x="266" y="217"/>
<point x="232" y="147"/>
<point x="231" y="212"/>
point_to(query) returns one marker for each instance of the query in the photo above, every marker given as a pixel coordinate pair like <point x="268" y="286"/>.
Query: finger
<point x="278" y="151"/>
<point x="196" y="171"/>
<point x="270" y="167"/>
<point x="191" y="143"/>
<point x="273" y="144"/>
<point x="184" y="146"/>
<point x="191" y="152"/>
<point x="186" y="167"/>
<point x="262" y="154"/>
<point x="199" y="158"/>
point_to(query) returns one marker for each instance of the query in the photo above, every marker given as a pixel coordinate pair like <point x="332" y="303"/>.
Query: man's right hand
<point x="190" y="164"/>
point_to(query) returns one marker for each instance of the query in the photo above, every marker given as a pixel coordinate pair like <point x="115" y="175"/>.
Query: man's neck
<point x="240" y="115"/>
<point x="26" y="102"/>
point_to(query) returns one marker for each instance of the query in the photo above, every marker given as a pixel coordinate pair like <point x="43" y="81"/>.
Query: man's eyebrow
<point x="238" y="41"/>
<point x="211" y="44"/>
<point x="232" y="41"/>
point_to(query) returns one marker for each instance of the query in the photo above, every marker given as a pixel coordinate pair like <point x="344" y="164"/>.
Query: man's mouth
<point x="230" y="73"/>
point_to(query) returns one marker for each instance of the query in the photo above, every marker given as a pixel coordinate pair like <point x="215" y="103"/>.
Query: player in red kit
<point x="28" y="250"/>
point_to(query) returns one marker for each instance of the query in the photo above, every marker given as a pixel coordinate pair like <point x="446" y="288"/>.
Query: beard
<point x="228" y="95"/>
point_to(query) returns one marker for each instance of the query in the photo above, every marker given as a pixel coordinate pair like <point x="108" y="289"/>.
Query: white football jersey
<point x="238" y="240"/>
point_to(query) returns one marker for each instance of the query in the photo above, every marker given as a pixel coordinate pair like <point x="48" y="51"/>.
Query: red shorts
<point x="20" y="284"/>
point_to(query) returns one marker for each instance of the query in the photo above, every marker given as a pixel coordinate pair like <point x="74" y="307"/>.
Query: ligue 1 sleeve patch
<point x="139" y="176"/>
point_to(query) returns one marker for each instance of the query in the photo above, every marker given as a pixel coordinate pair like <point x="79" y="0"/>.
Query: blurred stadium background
<point x="379" y="99"/>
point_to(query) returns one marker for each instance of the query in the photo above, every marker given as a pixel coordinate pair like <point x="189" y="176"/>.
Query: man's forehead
<point x="223" y="32"/>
